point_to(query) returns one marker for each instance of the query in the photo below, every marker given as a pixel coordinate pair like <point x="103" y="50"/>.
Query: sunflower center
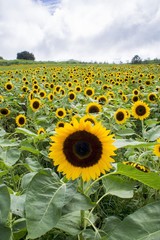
<point x="141" y="110"/>
<point x="21" y="120"/>
<point x="9" y="86"/>
<point x="4" y="111"/>
<point x="35" y="104"/>
<point x="93" y="109"/>
<point x="60" y="113"/>
<point x="152" y="97"/>
<point x="82" y="149"/>
<point x="120" y="116"/>
<point x="89" y="92"/>
<point x="71" y="96"/>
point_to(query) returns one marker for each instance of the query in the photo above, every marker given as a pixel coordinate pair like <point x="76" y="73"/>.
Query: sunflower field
<point x="80" y="152"/>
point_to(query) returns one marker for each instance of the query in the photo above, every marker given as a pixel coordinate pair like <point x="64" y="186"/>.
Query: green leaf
<point x="33" y="164"/>
<point x="150" y="179"/>
<point x="119" y="143"/>
<point x="30" y="148"/>
<point x="26" y="179"/>
<point x="116" y="185"/>
<point x="25" y="132"/>
<point x="45" y="198"/>
<point x="141" y="225"/>
<point x="10" y="156"/>
<point x="78" y="202"/>
<point x="70" y="223"/>
<point x="17" y="204"/>
<point x="19" y="228"/>
<point x="2" y="132"/>
<point x="110" y="223"/>
<point x="153" y="133"/>
<point x="5" y="232"/>
<point x="125" y="132"/>
<point x="4" y="203"/>
<point x="8" y="143"/>
<point x="2" y="173"/>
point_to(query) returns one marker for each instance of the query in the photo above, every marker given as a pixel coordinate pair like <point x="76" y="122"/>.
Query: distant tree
<point x="25" y="55"/>
<point x="136" y="59"/>
<point x="1" y="58"/>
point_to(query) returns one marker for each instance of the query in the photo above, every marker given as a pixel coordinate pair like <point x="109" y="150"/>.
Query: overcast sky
<point x="86" y="30"/>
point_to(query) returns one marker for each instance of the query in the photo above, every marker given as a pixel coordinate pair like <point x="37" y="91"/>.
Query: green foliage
<point x="25" y="55"/>
<point x="136" y="60"/>
<point x="141" y="225"/>
<point x="38" y="202"/>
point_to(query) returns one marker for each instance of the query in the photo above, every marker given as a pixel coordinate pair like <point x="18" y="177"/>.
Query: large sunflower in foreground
<point x="140" y="110"/>
<point x="82" y="149"/>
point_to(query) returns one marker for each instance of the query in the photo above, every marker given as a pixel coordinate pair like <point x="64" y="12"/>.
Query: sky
<point x="84" y="30"/>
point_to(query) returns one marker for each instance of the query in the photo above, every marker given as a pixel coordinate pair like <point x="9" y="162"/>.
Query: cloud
<point x="98" y="30"/>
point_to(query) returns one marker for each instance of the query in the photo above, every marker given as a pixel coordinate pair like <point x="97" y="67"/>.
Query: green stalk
<point x="82" y="212"/>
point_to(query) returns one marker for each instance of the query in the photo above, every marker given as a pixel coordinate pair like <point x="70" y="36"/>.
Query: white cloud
<point x="98" y="30"/>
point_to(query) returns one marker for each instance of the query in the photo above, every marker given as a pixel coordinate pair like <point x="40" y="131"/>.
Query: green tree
<point x="136" y="60"/>
<point x="25" y="55"/>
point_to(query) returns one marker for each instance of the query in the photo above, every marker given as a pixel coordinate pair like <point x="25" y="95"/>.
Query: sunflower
<point x="152" y="97"/>
<point x="156" y="149"/>
<point x="20" y="120"/>
<point x="4" y="111"/>
<point x="102" y="100"/>
<point x="25" y="89"/>
<point x="41" y="131"/>
<point x="93" y="108"/>
<point x="89" y="118"/>
<point x="124" y="98"/>
<point x="60" y="124"/>
<point x="50" y="97"/>
<point x="82" y="150"/>
<point x="89" y="92"/>
<point x="121" y="116"/>
<point x="140" y="110"/>
<point x="138" y="166"/>
<point x="8" y="86"/>
<point x="135" y="98"/>
<point x="71" y="96"/>
<point x="60" y="112"/>
<point x="35" y="104"/>
<point x="42" y="94"/>
<point x="135" y="92"/>
<point x="78" y="89"/>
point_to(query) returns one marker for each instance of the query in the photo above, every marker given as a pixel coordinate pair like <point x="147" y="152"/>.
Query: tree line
<point x="25" y="55"/>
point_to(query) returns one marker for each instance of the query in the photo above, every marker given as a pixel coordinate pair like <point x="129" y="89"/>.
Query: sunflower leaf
<point x="120" y="143"/>
<point x="10" y="156"/>
<point x="25" y="132"/>
<point x="5" y="232"/>
<point x="153" y="133"/>
<point x="117" y="186"/>
<point x="45" y="198"/>
<point x="4" y="203"/>
<point x="141" y="225"/>
<point x="150" y="179"/>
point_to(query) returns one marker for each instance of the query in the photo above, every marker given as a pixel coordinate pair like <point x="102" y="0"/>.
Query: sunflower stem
<point x="142" y="128"/>
<point x="82" y="212"/>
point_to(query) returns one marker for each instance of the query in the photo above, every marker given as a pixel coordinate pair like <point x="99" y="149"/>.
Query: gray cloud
<point x="101" y="30"/>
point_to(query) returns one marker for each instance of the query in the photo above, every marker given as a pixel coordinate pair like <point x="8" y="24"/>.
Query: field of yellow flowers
<point x="80" y="152"/>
